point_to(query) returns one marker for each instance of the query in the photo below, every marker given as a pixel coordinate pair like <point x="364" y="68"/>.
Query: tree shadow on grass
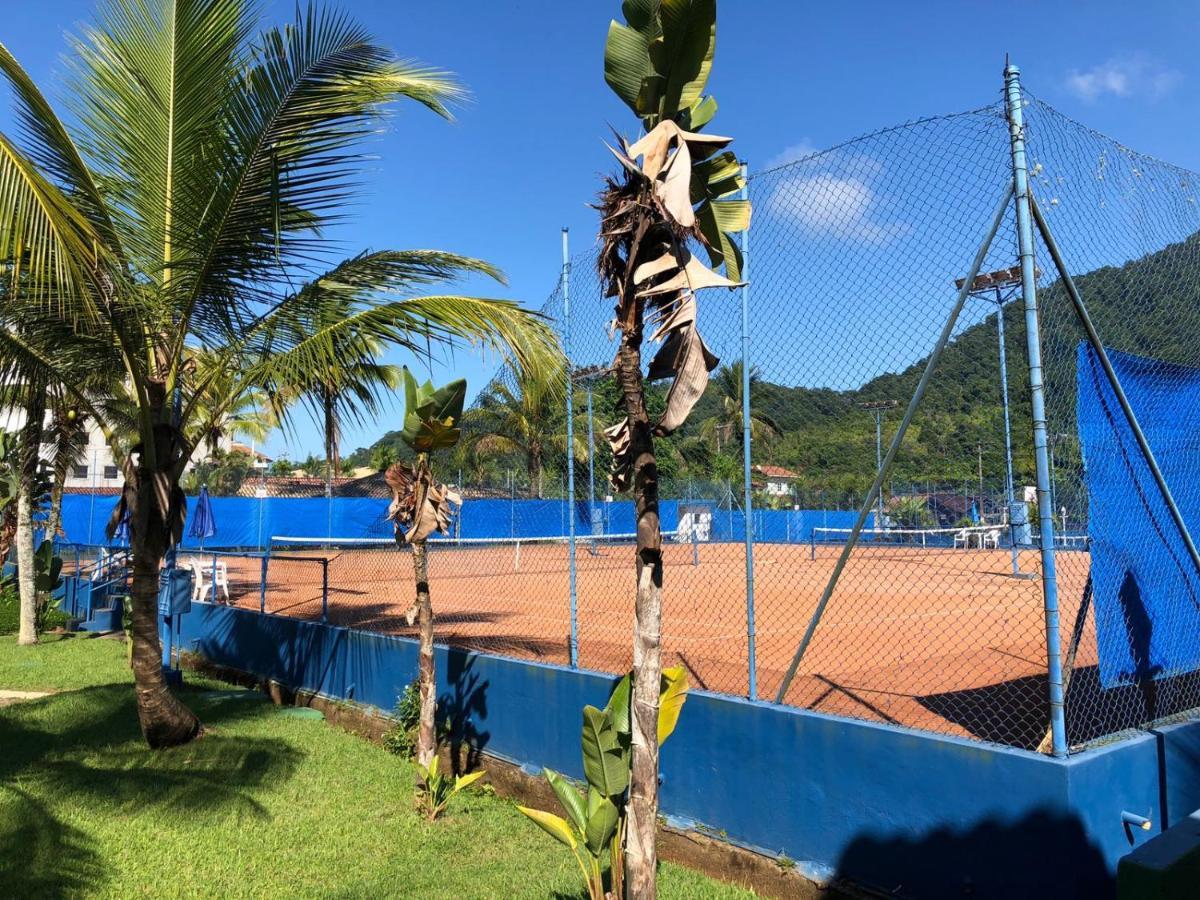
<point x="82" y="750"/>
<point x="41" y="856"/>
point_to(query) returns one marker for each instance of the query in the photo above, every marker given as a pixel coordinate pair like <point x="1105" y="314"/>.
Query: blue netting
<point x="1146" y="589"/>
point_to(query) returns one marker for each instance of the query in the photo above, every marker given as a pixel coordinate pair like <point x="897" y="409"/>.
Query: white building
<point x="777" y="481"/>
<point x="97" y="469"/>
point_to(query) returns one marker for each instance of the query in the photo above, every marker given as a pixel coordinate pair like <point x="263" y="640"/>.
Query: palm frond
<point x="48" y="250"/>
<point x="313" y="92"/>
<point x="48" y="144"/>
<point x="152" y="81"/>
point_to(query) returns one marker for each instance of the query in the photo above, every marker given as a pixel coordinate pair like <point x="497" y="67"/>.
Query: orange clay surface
<point x="935" y="638"/>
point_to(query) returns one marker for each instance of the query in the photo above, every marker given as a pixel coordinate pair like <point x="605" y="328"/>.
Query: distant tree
<point x="383" y="456"/>
<point x="282" y="467"/>
<point x="527" y="421"/>
<point x="726" y="427"/>
<point x="910" y="511"/>
<point x="222" y="472"/>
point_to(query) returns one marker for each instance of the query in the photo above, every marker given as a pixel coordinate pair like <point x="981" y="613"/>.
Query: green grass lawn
<point x="265" y="804"/>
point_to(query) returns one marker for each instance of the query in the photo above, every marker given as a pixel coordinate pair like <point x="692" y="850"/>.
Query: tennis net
<point x="975" y="537"/>
<point x="508" y="553"/>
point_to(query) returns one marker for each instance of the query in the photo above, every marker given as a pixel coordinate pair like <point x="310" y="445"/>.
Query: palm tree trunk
<point x="27" y="633"/>
<point x="329" y="444"/>
<point x="641" y="857"/>
<point x="426" y="735"/>
<point x="165" y="721"/>
<point x="29" y="449"/>
<point x="534" y="467"/>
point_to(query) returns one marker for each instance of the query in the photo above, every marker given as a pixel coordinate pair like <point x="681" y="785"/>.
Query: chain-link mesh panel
<point x="856" y="258"/>
<point x="856" y="255"/>
<point x="1127" y="226"/>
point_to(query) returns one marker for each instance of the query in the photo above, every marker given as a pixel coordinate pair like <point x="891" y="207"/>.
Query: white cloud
<point x="827" y="205"/>
<point x="1128" y="77"/>
<point x="796" y="151"/>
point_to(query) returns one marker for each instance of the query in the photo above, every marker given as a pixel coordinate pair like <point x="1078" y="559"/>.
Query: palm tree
<point x="66" y="439"/>
<point x="523" y="420"/>
<point x="246" y="414"/>
<point x="355" y="385"/>
<point x="190" y="188"/>
<point x="51" y="427"/>
<point x="673" y="189"/>
<point x="727" y="425"/>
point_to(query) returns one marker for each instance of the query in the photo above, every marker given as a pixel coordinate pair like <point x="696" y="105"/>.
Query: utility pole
<point x="999" y="287"/>
<point x="979" y="454"/>
<point x="877" y="408"/>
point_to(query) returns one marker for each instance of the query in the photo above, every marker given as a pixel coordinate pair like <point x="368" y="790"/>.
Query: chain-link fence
<point x="934" y="614"/>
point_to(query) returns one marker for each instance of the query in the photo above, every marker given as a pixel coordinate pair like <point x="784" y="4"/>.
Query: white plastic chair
<point x="992" y="539"/>
<point x="962" y="539"/>
<point x="220" y="582"/>
<point x="197" y="578"/>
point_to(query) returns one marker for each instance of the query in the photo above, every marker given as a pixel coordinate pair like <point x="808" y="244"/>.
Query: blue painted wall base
<point x="912" y="813"/>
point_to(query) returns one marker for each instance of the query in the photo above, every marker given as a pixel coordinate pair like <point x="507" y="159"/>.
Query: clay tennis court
<point x="934" y="638"/>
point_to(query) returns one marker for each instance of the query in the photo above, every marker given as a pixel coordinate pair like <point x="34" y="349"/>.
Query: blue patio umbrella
<point x="204" y="524"/>
<point x="974" y="514"/>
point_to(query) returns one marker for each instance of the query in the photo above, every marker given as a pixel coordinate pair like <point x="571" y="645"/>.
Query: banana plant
<point x="674" y="192"/>
<point x="440" y="789"/>
<point x="420" y="506"/>
<point x="595" y="823"/>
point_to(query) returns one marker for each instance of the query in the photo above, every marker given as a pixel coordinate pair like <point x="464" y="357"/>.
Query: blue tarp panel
<point x="1146" y="590"/>
<point x="250" y="522"/>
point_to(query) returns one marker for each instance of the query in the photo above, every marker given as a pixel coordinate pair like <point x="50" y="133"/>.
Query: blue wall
<point x="249" y="522"/>
<point x="908" y="812"/>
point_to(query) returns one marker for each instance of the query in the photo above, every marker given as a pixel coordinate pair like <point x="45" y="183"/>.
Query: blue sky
<point x="523" y="159"/>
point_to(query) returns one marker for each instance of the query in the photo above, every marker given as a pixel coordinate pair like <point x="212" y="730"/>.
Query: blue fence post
<point x="1016" y="122"/>
<point x="324" y="591"/>
<point x="748" y="505"/>
<point x="262" y="586"/>
<point x="573" y="646"/>
<point x="591" y="464"/>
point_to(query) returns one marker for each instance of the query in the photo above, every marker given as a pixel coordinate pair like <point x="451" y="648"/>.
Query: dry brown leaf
<point x="694" y="276"/>
<point x="684" y="355"/>
<point x="646" y="270"/>
<point x="675" y="190"/>
<point x="619" y="438"/>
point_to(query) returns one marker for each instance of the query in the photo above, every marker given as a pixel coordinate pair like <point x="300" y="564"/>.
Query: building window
<point x="110" y="472"/>
<point x="79" y="471"/>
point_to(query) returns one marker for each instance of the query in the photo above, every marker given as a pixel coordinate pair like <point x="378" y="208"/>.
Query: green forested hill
<point x="1149" y="306"/>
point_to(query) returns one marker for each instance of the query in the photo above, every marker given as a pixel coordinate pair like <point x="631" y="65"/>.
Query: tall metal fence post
<point x="591" y="465"/>
<point x="324" y="591"/>
<point x="744" y="291"/>
<point x="573" y="646"/>
<point x="1016" y="121"/>
<point x="262" y="587"/>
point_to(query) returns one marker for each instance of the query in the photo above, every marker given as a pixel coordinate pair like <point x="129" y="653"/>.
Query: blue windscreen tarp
<point x="249" y="522"/>
<point x="1146" y="590"/>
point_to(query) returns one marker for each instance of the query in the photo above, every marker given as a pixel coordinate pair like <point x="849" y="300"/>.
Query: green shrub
<point x="401" y="737"/>
<point x="10" y="607"/>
